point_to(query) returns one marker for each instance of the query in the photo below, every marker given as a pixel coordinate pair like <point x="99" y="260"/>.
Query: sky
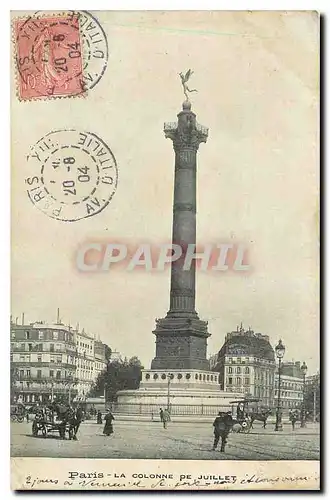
<point x="257" y="179"/>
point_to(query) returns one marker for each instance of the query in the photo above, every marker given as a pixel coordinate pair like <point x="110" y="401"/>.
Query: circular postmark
<point x="73" y="175"/>
<point x="59" y="54"/>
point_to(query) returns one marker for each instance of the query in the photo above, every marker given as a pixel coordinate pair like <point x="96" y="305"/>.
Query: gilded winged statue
<point x="184" y="80"/>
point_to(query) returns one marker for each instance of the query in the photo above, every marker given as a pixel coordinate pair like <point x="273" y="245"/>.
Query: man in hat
<point x="222" y="425"/>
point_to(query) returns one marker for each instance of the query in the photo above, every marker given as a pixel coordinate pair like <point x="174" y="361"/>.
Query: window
<point x="147" y="376"/>
<point x="52" y="358"/>
<point x="21" y="373"/>
<point x="187" y="376"/>
<point x="51" y="373"/>
<point x="247" y="381"/>
<point x="58" y="347"/>
<point x="58" y="374"/>
<point x="38" y="373"/>
<point x="230" y="380"/>
<point x="230" y="369"/>
<point x="238" y="369"/>
<point x="22" y="357"/>
<point x="179" y="375"/>
<point x="40" y="335"/>
<point x="155" y="376"/>
<point x="55" y="335"/>
<point x="239" y="360"/>
<point x="163" y="376"/>
<point x="196" y="376"/>
<point x="28" y="373"/>
<point x="27" y="335"/>
<point x="247" y="369"/>
<point x="39" y="358"/>
<point x="238" y="380"/>
<point x="30" y="347"/>
<point x="58" y="359"/>
<point x="51" y="347"/>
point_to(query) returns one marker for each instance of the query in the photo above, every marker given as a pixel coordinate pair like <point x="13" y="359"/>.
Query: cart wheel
<point x="237" y="427"/>
<point x="245" y="427"/>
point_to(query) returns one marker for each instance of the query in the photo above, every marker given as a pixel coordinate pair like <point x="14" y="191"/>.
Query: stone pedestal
<point x="184" y="392"/>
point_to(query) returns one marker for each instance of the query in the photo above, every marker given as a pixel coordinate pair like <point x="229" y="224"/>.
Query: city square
<point x="181" y="440"/>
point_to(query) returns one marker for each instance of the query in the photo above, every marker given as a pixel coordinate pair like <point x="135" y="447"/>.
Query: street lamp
<point x="169" y="378"/>
<point x="279" y="351"/>
<point x="303" y="369"/>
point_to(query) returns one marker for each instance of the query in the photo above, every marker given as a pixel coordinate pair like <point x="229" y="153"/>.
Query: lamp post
<point x="279" y="350"/>
<point x="169" y="378"/>
<point x="303" y="409"/>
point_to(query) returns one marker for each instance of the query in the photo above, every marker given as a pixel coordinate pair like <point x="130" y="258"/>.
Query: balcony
<point x="41" y="348"/>
<point x="170" y="126"/>
<point x="45" y="381"/>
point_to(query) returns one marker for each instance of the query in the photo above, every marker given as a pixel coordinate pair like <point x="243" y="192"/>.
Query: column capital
<point x="186" y="133"/>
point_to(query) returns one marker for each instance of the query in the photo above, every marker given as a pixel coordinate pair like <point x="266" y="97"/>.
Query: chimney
<point x="22" y="318"/>
<point x="58" y="316"/>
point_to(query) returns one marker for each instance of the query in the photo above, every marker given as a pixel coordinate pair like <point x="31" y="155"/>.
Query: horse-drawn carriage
<point x="17" y="413"/>
<point x="247" y="411"/>
<point x="57" y="418"/>
<point x="46" y="426"/>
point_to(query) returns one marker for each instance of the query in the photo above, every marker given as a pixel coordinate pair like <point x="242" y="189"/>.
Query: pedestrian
<point x="108" y="428"/>
<point x="222" y="425"/>
<point x="163" y="414"/>
<point x="166" y="418"/>
<point x="293" y="417"/>
<point x="27" y="416"/>
<point x="99" y="417"/>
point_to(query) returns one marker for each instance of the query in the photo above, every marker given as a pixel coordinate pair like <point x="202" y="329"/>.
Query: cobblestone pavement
<point x="180" y="440"/>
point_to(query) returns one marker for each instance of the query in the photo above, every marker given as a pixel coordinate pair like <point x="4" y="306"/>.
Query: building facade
<point x="42" y="362"/>
<point x="84" y="362"/>
<point x="291" y="385"/>
<point x="246" y="365"/>
<point x="53" y="361"/>
<point x="99" y="358"/>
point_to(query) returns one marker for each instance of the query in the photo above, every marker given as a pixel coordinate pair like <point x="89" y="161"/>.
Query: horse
<point x="75" y="420"/>
<point x="261" y="416"/>
<point x="66" y="415"/>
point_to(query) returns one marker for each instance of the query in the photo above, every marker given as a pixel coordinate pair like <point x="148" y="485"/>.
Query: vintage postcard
<point x="164" y="330"/>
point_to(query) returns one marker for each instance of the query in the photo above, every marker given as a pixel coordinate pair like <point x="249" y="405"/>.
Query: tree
<point x="119" y="375"/>
<point x="312" y="396"/>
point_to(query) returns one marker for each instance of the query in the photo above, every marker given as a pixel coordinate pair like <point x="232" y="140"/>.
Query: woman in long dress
<point x="108" y="428"/>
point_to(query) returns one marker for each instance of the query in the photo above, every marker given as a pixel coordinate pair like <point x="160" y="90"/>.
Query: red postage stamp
<point x="59" y="55"/>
